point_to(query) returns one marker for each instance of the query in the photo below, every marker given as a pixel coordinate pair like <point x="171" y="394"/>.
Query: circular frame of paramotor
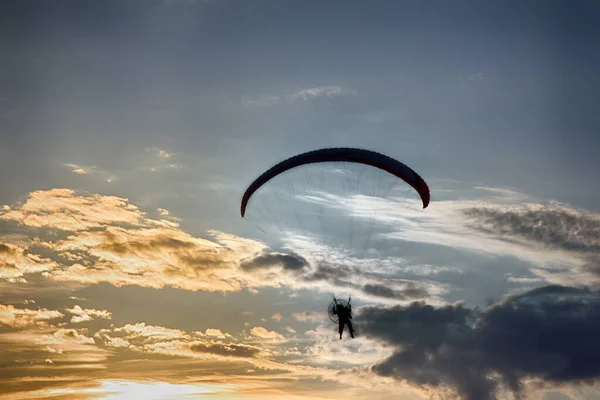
<point x="334" y="318"/>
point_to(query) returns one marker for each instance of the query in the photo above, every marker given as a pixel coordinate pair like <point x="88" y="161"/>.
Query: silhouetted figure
<point x="344" y="316"/>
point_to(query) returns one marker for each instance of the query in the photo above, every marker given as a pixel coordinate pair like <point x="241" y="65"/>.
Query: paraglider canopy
<point x="342" y="154"/>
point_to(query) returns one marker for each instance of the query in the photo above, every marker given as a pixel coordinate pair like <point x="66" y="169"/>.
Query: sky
<point x="129" y="131"/>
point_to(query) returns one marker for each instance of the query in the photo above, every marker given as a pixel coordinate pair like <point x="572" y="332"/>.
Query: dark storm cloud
<point x="325" y="272"/>
<point x="297" y="264"/>
<point x="342" y="277"/>
<point x="552" y="226"/>
<point x="335" y="275"/>
<point x="411" y="291"/>
<point x="550" y="333"/>
<point x="289" y="262"/>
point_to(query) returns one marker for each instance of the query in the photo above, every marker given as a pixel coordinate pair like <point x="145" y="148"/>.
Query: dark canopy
<point x="341" y="154"/>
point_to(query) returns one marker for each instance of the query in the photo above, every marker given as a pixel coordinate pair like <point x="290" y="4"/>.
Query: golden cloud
<point x="16" y="262"/>
<point x="23" y="318"/>
<point x="173" y="342"/>
<point x="77" y="356"/>
<point x="263" y="333"/>
<point x="107" y="239"/>
<point x="63" y="209"/>
<point x="215" y="333"/>
<point x="82" y="315"/>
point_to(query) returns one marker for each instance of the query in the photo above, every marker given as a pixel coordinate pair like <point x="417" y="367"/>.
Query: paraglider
<point x="343" y="311"/>
<point x="341" y="190"/>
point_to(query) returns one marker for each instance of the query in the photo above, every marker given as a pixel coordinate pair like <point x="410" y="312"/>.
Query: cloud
<point x="549" y="229"/>
<point x="549" y="334"/>
<point x="288" y="262"/>
<point x="78" y="169"/>
<point x="380" y="288"/>
<point x="326" y="349"/>
<point x="65" y="210"/>
<point x="84" y="315"/>
<point x="107" y="239"/>
<point x="150" y="333"/>
<point x="322" y="91"/>
<point x="160" y="153"/>
<point x="90" y="170"/>
<point x="324" y="276"/>
<point x="154" y="339"/>
<point x="215" y="333"/>
<point x="160" y="160"/>
<point x="16" y="262"/>
<point x="412" y="291"/>
<point x="305" y="95"/>
<point x="21" y="318"/>
<point x="337" y="274"/>
<point x="504" y="195"/>
<point x="222" y="349"/>
<point x="88" y="239"/>
<point x="561" y="243"/>
<point x="277" y="317"/>
<point x="69" y="350"/>
<point x="553" y="226"/>
<point x="69" y="358"/>
<point x="263" y="333"/>
<point x="67" y="335"/>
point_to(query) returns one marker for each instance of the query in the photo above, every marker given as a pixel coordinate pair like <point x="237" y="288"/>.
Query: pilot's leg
<point x="350" y="328"/>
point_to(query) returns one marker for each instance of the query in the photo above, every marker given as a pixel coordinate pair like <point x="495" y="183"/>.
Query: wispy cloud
<point x="560" y="242"/>
<point x="92" y="171"/>
<point x="160" y="153"/>
<point x="505" y="195"/>
<point x="161" y="160"/>
<point x="305" y="95"/>
<point x="78" y="169"/>
<point x="322" y="91"/>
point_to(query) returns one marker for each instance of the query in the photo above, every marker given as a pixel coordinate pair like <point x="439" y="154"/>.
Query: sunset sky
<point x="130" y="129"/>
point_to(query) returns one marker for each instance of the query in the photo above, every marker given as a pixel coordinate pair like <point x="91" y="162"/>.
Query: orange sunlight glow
<point x="117" y="389"/>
